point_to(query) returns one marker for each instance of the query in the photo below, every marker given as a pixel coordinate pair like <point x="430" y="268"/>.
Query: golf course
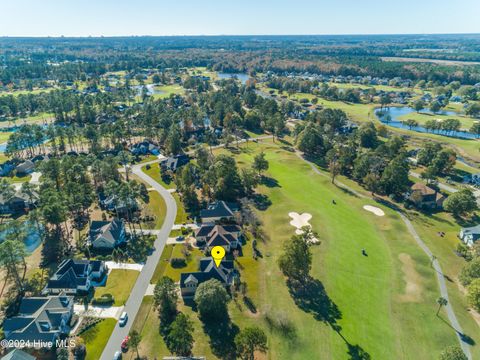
<point x="381" y="303"/>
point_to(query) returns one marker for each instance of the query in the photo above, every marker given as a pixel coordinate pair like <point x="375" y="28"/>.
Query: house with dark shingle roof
<point x="19" y="202"/>
<point x="75" y="276"/>
<point x="172" y="163"/>
<point x="226" y="236"/>
<point x="225" y="273"/>
<point x="217" y="211"/>
<point x="425" y="197"/>
<point x="40" y="319"/>
<point x="106" y="235"/>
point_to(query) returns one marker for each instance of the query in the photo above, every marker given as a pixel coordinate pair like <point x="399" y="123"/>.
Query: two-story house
<point x="40" y="319"/>
<point x="75" y="276"/>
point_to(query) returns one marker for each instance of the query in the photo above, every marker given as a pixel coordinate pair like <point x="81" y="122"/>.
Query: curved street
<point x="143" y="280"/>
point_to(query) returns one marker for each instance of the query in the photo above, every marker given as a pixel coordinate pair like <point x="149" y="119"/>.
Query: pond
<point x="242" y="77"/>
<point x="396" y="112"/>
<point x="33" y="237"/>
<point x="150" y="90"/>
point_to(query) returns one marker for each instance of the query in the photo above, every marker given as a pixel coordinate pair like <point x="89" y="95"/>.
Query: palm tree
<point x="441" y="301"/>
<point x="134" y="341"/>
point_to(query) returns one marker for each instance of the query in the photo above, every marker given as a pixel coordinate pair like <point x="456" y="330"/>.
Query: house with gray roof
<point x="19" y="202"/>
<point x="75" y="276"/>
<point x="226" y="236"/>
<point x="107" y="235"/>
<point x="25" y="168"/>
<point x="218" y="210"/>
<point x="225" y="273"/>
<point x="40" y="319"/>
<point x="470" y="235"/>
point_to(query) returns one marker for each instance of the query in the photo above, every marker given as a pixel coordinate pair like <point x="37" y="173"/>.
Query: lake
<point x="150" y="90"/>
<point x="242" y="77"/>
<point x="397" y="112"/>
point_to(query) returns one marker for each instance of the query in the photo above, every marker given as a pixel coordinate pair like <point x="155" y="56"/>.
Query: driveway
<point x="125" y="266"/>
<point x="98" y="311"/>
<point x="143" y="280"/>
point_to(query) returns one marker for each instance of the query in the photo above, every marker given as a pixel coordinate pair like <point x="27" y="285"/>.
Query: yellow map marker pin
<point x="218" y="253"/>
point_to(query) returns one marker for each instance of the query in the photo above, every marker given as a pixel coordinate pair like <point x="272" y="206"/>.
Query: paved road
<point x="442" y="186"/>
<point x="143" y="280"/>
<point x="436" y="265"/>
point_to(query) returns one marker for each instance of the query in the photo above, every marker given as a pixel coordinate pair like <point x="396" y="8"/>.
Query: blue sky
<point x="215" y="17"/>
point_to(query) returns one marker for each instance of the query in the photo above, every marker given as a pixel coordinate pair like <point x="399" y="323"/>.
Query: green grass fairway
<point x="119" y="284"/>
<point x="168" y="90"/>
<point x="96" y="338"/>
<point x="378" y="313"/>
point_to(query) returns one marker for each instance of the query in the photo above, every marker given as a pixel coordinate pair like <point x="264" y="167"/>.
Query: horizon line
<point x="225" y="35"/>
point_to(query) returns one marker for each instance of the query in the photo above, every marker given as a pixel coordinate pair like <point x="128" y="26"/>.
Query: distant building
<point x="172" y="163"/>
<point x="425" y="197"/>
<point x="75" y="276"/>
<point x="217" y="211"/>
<point x="40" y="319"/>
<point x="225" y="273"/>
<point x="18" y="203"/>
<point x="144" y="148"/>
<point x="470" y="235"/>
<point x="25" y="168"/>
<point x="106" y="235"/>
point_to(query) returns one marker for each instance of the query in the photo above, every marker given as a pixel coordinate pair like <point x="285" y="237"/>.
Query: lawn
<point x="4" y="136"/>
<point x="154" y="173"/>
<point x="192" y="262"/>
<point x="182" y="216"/>
<point x="119" y="283"/>
<point x="157" y="208"/>
<point x="96" y="338"/>
<point x="377" y="309"/>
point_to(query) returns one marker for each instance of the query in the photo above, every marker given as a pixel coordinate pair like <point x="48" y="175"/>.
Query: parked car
<point x="123" y="319"/>
<point x="117" y="356"/>
<point x="180" y="238"/>
<point x="124" y="345"/>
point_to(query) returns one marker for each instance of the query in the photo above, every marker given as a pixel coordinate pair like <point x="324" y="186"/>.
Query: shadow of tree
<point x="269" y="182"/>
<point x="222" y="335"/>
<point x="311" y="297"/>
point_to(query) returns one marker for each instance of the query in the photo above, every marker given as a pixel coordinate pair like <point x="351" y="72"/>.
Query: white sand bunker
<point x="377" y="211"/>
<point x="299" y="221"/>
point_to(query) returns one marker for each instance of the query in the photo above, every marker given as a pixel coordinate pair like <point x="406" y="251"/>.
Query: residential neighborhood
<point x="242" y="196"/>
